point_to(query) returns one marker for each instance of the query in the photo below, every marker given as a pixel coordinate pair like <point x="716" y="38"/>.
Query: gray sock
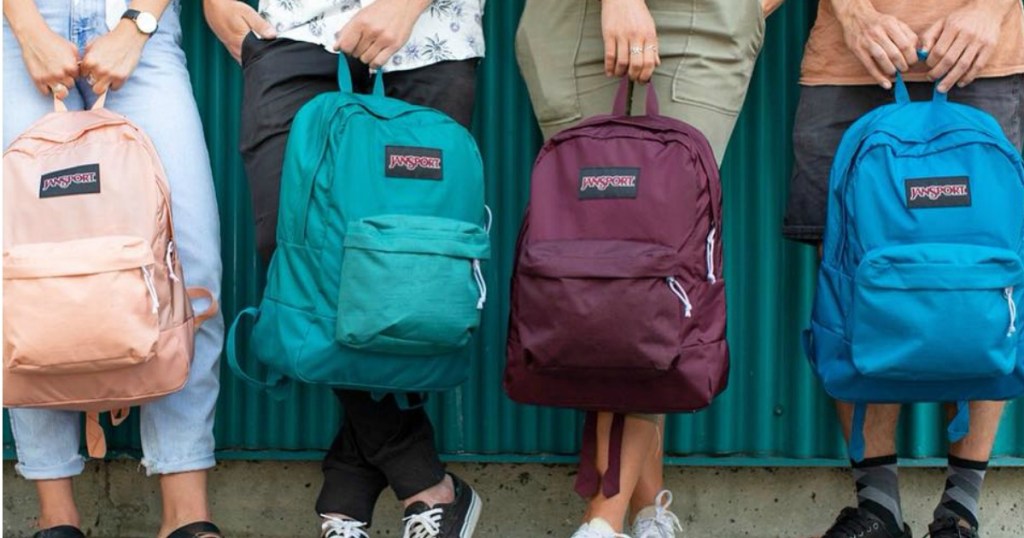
<point x="963" y="489"/>
<point x="878" y="490"/>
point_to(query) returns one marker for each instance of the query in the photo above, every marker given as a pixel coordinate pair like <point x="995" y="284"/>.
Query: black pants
<point x="379" y="443"/>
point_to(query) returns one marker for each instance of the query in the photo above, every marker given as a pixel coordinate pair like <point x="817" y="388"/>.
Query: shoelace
<point x="423" y="525"/>
<point x="851" y="524"/>
<point x="664" y="523"/>
<point x="336" y="527"/>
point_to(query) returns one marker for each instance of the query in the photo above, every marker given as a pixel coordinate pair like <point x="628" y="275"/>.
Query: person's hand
<point x="630" y="39"/>
<point x="961" y="44"/>
<point x="111" y="58"/>
<point x="51" y="61"/>
<point x="232" y="20"/>
<point x="379" y="30"/>
<point x="883" y="43"/>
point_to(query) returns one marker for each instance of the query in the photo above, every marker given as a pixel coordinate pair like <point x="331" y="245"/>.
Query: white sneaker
<point x="656" y="521"/>
<point x="597" y="528"/>
<point x="336" y="527"/>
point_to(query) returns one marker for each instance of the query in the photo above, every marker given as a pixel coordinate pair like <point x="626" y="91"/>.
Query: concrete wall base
<point x="275" y="500"/>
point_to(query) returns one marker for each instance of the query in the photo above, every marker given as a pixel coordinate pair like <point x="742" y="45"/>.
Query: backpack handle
<point x="59" y="106"/>
<point x="622" y="99"/>
<point x="900" y="88"/>
<point x="345" y="78"/>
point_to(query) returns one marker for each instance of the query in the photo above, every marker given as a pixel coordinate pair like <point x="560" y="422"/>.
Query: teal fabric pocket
<point x="936" y="312"/>
<point x="411" y="285"/>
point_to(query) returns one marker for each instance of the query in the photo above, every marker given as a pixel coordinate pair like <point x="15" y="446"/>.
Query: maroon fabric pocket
<point x="601" y="308"/>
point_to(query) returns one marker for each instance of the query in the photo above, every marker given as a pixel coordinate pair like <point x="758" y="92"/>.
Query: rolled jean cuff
<point x="200" y="463"/>
<point x="68" y="469"/>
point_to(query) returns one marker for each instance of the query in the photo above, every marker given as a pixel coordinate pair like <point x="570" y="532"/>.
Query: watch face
<point x="146" y="23"/>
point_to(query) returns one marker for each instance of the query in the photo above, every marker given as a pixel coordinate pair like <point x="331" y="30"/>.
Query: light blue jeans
<point x="177" y="430"/>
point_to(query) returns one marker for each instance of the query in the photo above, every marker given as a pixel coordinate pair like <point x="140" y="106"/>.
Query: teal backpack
<point x="376" y="282"/>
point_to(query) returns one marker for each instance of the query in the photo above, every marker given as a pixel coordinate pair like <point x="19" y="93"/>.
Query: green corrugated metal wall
<point x="773" y="412"/>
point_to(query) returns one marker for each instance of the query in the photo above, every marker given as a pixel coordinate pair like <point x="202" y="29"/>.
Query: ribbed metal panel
<point x="774" y="411"/>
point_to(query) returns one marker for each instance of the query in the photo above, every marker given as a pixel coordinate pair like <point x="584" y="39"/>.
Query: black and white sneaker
<point x="950" y="527"/>
<point x="63" y="531"/>
<point x="456" y="519"/>
<point x="854" y="523"/>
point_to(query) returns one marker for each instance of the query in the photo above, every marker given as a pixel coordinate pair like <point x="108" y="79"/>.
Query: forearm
<point x="23" y="17"/>
<point x="844" y="8"/>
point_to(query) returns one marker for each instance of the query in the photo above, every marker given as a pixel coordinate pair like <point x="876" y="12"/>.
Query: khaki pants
<point x="708" y="49"/>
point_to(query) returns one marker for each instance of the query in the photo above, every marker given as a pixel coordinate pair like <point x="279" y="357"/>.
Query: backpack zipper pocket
<point x="411" y="285"/>
<point x="600" y="308"/>
<point x="80" y="306"/>
<point x="936" y="312"/>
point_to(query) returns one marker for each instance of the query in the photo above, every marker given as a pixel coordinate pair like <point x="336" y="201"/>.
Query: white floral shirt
<point x="447" y="30"/>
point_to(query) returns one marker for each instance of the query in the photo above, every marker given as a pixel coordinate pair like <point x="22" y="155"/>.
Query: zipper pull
<point x="170" y="262"/>
<point x="478" y="275"/>
<point x="147" y="276"/>
<point x="678" y="290"/>
<point x="710" y="255"/>
<point x="1008" y="294"/>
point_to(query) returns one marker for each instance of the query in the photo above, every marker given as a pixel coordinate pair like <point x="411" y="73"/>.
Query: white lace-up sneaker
<point x="336" y="527"/>
<point x="656" y="521"/>
<point x="597" y="528"/>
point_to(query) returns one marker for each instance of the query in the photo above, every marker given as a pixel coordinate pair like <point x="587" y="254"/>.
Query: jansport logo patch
<point x="83" y="179"/>
<point x="596" y="183"/>
<point x="409" y="162"/>
<point x="938" y="192"/>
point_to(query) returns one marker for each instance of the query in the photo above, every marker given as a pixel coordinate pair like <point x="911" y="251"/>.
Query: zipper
<point x="710" y="256"/>
<point x="147" y="276"/>
<point x="1008" y="294"/>
<point x="678" y="290"/>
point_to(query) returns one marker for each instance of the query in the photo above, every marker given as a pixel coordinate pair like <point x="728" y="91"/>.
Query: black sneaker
<point x="63" y="531"/>
<point x="456" y="519"/>
<point x="950" y="528"/>
<point x="854" y="523"/>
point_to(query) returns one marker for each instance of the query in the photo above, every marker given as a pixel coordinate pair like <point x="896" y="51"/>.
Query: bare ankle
<point x="48" y="521"/>
<point x="441" y="493"/>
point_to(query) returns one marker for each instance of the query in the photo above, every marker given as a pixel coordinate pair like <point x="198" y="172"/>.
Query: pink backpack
<point x="96" y="315"/>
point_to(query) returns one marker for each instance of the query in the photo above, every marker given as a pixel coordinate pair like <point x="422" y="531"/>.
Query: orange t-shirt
<point x="827" y="59"/>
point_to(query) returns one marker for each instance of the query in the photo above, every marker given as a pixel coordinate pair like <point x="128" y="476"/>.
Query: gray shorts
<point x="825" y="112"/>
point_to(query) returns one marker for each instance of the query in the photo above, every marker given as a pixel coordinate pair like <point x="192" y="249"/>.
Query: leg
<point x="177" y="430"/>
<point x="639" y="439"/>
<point x="968" y="461"/>
<point x="399" y="443"/>
<point x="351" y="484"/>
<point x="652" y="476"/>
<point x="47" y="444"/>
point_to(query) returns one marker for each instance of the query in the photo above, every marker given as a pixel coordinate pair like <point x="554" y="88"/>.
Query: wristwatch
<point x="145" y="22"/>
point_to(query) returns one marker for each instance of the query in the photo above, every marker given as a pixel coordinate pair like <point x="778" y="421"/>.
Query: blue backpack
<point x="376" y="283"/>
<point x="921" y="269"/>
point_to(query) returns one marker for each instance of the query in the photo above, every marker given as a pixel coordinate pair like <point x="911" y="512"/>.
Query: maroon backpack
<point x="617" y="298"/>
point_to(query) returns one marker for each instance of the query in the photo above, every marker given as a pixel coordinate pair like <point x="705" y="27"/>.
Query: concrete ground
<point x="275" y="500"/>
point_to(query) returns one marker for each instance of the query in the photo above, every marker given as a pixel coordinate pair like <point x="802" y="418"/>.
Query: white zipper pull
<point x="170" y="262"/>
<point x="677" y="289"/>
<point x="710" y="251"/>
<point x="478" y="275"/>
<point x="147" y="275"/>
<point x="1008" y="294"/>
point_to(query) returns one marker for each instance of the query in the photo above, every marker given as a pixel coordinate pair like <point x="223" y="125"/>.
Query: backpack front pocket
<point x="606" y="308"/>
<point x="411" y="285"/>
<point x="79" y="306"/>
<point x="936" y="312"/>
